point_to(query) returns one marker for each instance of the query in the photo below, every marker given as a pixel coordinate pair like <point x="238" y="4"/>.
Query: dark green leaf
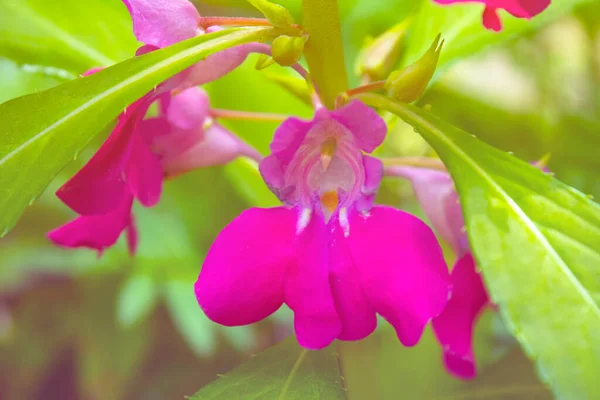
<point x="34" y="147"/>
<point x="283" y="372"/>
<point x="538" y="244"/>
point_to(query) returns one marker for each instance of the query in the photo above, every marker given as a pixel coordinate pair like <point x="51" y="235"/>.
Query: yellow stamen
<point x="330" y="200"/>
<point x="327" y="152"/>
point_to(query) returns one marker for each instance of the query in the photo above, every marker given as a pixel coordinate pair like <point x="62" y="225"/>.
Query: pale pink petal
<point x="213" y="67"/>
<point x="95" y="232"/>
<point x="373" y="168"/>
<point x="437" y="196"/>
<point x="243" y="276"/>
<point x="307" y="290"/>
<point x="162" y="23"/>
<point x="188" y="109"/>
<point x="99" y="188"/>
<point x="357" y="316"/>
<point x="366" y="125"/>
<point x="401" y="267"/>
<point x="454" y="327"/>
<point x="215" y="146"/>
<point x="143" y="173"/>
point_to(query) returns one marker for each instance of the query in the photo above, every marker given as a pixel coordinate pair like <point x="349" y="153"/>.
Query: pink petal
<point x="95" y="232"/>
<point x="533" y="7"/>
<point x="144" y="173"/>
<point x="99" y="188"/>
<point x="188" y="109"/>
<point x="454" y="327"/>
<point x="491" y="20"/>
<point x="402" y="269"/>
<point x="364" y="122"/>
<point x="243" y="276"/>
<point x="132" y="236"/>
<point x="214" y="67"/>
<point x="307" y="290"/>
<point x="357" y="316"/>
<point x="215" y="146"/>
<point x="436" y="193"/>
<point x="162" y="23"/>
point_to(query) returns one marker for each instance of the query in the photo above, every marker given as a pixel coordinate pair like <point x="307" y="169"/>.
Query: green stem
<point x="324" y="50"/>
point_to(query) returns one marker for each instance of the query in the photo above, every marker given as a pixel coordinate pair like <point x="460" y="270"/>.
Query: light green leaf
<point x="538" y="244"/>
<point x="33" y="148"/>
<point x="136" y="300"/>
<point x="18" y="80"/>
<point x="192" y="324"/>
<point x="245" y="177"/>
<point x="283" y="372"/>
<point x="69" y="34"/>
<point x="463" y="32"/>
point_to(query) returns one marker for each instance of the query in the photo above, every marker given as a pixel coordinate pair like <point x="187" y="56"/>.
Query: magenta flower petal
<point x="243" y="276"/>
<point x="401" y="267"/>
<point x="188" y="109"/>
<point x="307" y="290"/>
<point x="95" y="232"/>
<point x="436" y="193"/>
<point x="357" y="315"/>
<point x="454" y="327"/>
<point x="99" y="188"/>
<point x="373" y="168"/>
<point x="163" y="23"/>
<point x="144" y="173"/>
<point x="491" y="19"/>
<point x="367" y="126"/>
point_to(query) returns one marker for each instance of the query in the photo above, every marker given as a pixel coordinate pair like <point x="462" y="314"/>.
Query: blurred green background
<point x="75" y="326"/>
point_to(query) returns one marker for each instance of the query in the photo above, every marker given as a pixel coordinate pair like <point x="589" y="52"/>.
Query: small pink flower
<point x="329" y="254"/>
<point x="454" y="326"/>
<point x="161" y="23"/>
<point x="518" y="8"/>
<point x="132" y="162"/>
<point x="138" y="153"/>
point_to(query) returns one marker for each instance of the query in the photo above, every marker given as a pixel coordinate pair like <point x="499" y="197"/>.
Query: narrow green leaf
<point x="69" y="34"/>
<point x="34" y="147"/>
<point x="245" y="177"/>
<point x="196" y="329"/>
<point x="538" y="244"/>
<point x="283" y="372"/>
<point x="136" y="300"/>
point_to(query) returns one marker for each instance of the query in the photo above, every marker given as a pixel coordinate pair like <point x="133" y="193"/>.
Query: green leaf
<point x="136" y="300"/>
<point x="283" y="372"/>
<point x="463" y="32"/>
<point x="192" y="324"/>
<point x="248" y="182"/>
<point x="17" y="80"/>
<point x="69" y="34"/>
<point x="537" y="242"/>
<point x="33" y="148"/>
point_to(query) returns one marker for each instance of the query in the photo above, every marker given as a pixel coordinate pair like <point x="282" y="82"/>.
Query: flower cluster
<point x="328" y="252"/>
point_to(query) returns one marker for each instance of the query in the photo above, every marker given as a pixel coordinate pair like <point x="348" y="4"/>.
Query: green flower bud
<point x="408" y="84"/>
<point x="287" y="50"/>
<point x="279" y="16"/>
<point x="379" y="57"/>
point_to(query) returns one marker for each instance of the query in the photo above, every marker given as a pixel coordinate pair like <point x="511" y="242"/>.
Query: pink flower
<point x="454" y="326"/>
<point x="131" y="164"/>
<point x="518" y="8"/>
<point x="329" y="254"/>
<point x="161" y="23"/>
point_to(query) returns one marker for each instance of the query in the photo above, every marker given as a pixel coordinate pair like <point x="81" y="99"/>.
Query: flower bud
<point x="379" y="57"/>
<point x="408" y="84"/>
<point x="264" y="61"/>
<point x="279" y="16"/>
<point x="286" y="50"/>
